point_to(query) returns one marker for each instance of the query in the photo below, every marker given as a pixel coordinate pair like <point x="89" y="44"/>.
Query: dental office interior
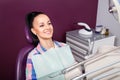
<point x="87" y="26"/>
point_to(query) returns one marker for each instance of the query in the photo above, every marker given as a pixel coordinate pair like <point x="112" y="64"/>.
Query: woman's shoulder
<point x="32" y="52"/>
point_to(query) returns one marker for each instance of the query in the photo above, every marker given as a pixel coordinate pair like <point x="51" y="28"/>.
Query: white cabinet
<point x="82" y="46"/>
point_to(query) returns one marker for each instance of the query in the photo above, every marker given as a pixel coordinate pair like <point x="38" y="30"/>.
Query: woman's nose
<point x="47" y="26"/>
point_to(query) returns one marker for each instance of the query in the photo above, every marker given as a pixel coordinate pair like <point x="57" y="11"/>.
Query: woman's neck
<point x="47" y="44"/>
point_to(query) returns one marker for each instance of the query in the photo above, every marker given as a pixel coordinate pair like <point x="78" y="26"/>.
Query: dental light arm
<point x="114" y="8"/>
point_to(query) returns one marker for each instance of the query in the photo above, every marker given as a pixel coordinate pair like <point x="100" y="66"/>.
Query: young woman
<point x="41" y="29"/>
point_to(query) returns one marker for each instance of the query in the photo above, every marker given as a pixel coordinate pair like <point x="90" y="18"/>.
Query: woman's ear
<point x="33" y="31"/>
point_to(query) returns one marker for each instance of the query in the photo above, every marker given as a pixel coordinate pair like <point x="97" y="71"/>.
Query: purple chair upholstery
<point x="22" y="57"/>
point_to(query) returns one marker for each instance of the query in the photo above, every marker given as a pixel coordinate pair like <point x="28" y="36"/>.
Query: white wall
<point x="106" y="19"/>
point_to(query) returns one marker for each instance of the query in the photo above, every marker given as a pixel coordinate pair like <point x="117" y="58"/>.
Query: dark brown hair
<point x="29" y="21"/>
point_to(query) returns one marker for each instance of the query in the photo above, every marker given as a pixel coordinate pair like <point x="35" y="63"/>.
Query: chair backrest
<point x="22" y="57"/>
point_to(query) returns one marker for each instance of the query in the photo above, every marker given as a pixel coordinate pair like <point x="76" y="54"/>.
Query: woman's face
<point x="42" y="27"/>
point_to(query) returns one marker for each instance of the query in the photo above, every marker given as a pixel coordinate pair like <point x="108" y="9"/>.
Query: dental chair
<point x="22" y="57"/>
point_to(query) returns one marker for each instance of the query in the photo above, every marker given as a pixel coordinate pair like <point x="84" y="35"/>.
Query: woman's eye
<point x="41" y="25"/>
<point x="49" y="23"/>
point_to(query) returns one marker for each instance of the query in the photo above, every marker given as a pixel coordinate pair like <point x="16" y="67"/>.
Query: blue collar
<point x="44" y="49"/>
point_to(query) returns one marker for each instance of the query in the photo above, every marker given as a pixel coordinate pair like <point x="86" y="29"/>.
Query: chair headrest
<point x="28" y="36"/>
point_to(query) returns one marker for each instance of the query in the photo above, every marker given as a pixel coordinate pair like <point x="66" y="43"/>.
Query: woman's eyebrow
<point x="48" y="21"/>
<point x="41" y="23"/>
